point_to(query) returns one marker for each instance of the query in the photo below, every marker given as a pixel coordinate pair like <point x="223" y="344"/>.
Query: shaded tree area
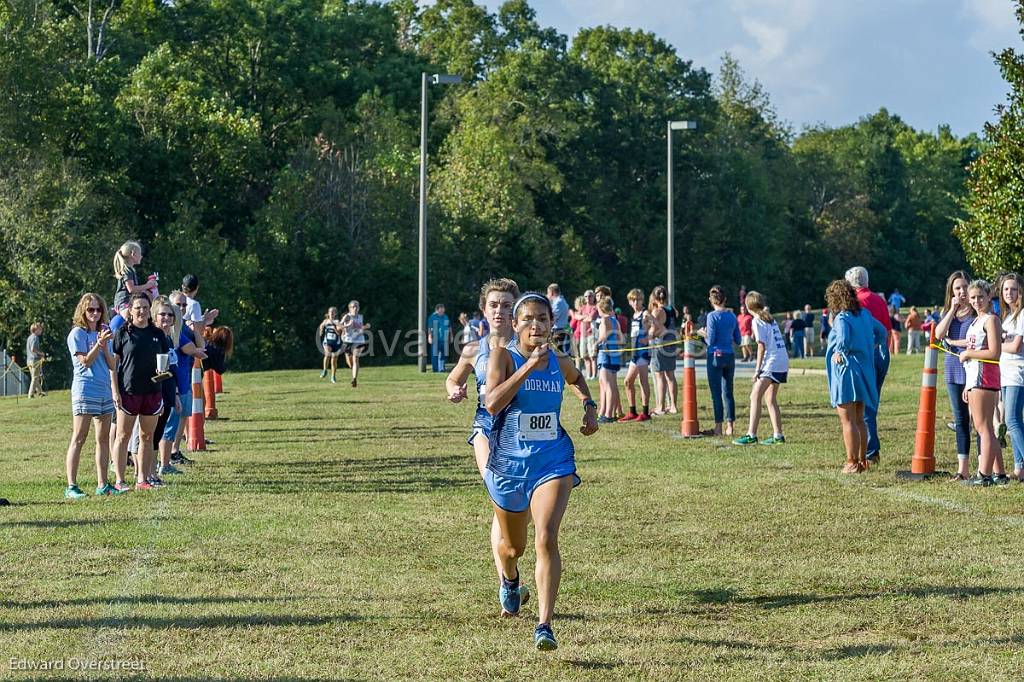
<point x="992" y="229"/>
<point x="271" y="147"/>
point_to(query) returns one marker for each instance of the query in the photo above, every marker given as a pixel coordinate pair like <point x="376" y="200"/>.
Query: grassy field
<point x="339" y="533"/>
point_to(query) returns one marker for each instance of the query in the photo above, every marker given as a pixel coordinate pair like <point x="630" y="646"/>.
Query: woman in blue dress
<point x="532" y="467"/>
<point x="851" y="375"/>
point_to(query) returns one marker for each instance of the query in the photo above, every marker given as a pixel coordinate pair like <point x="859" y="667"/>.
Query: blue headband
<point x="529" y="296"/>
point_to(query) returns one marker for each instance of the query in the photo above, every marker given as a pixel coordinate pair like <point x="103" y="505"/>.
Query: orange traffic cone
<point x="196" y="435"/>
<point x="210" y="394"/>
<point x="218" y="382"/>
<point x="922" y="464"/>
<point x="689" y="427"/>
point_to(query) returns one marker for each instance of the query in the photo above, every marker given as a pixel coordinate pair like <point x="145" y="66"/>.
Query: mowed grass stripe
<point x="335" y="533"/>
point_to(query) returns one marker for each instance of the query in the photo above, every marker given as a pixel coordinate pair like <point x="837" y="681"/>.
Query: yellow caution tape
<point x="692" y="337"/>
<point x="957" y="355"/>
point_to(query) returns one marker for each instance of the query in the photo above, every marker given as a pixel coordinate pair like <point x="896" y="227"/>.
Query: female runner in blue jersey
<point x="497" y="297"/>
<point x="532" y="468"/>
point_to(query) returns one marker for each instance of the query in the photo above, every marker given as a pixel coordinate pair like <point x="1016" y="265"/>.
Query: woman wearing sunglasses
<point x="91" y="398"/>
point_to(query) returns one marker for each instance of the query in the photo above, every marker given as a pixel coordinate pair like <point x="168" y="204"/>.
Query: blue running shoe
<point x="544" y="638"/>
<point x="510" y="595"/>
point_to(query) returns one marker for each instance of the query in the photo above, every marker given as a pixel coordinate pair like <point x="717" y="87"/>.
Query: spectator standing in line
<point x="167" y="318"/>
<point x="574" y="324"/>
<point x="1011" y="367"/>
<point x="586" y="315"/>
<point x="195" y="317"/>
<point x="609" y="361"/>
<point x="851" y="371"/>
<point x="857" y="276"/>
<point x="624" y="325"/>
<point x="746" y="323"/>
<point x="438" y="326"/>
<point x="798" y="334"/>
<point x="560" y="310"/>
<point x="91" y="399"/>
<point x="663" y="332"/>
<point x="135" y="347"/>
<point x="913" y="324"/>
<point x="639" y="337"/>
<point x="35" y="358"/>
<point x="808" y="318"/>
<point x="984" y="342"/>
<point x="180" y="417"/>
<point x="951" y="330"/>
<point x="184" y="352"/>
<point x="787" y="331"/>
<point x="927" y="322"/>
<point x="897" y="327"/>
<point x="721" y="333"/>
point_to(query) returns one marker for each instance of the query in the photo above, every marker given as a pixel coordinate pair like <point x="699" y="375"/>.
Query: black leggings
<point x="158" y="432"/>
<point x="170" y="393"/>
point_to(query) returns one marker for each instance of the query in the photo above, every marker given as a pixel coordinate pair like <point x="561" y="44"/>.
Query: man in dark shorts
<point x="136" y="346"/>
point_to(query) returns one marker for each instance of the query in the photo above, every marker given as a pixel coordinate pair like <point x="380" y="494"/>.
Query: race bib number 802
<point x="538" y="426"/>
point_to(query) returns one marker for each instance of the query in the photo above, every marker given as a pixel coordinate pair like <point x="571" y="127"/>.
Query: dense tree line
<point x="993" y="229"/>
<point x="271" y="147"/>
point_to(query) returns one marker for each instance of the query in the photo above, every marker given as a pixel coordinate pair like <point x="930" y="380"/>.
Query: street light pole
<point x="421" y="317"/>
<point x="671" y="242"/>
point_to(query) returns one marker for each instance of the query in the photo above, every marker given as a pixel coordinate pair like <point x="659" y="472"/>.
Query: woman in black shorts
<point x="329" y="334"/>
<point x="136" y="396"/>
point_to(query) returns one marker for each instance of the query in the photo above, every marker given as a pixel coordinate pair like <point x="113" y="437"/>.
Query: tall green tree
<point x="632" y="84"/>
<point x="992" y="232"/>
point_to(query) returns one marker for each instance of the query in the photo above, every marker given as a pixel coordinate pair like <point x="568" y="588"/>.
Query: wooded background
<point x="271" y="147"/>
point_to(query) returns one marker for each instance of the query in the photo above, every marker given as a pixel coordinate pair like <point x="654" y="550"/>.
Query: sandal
<point x="708" y="432"/>
<point x="957" y="477"/>
<point x="851" y="468"/>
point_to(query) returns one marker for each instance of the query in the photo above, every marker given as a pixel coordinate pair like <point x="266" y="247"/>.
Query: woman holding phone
<point x="91" y="398"/>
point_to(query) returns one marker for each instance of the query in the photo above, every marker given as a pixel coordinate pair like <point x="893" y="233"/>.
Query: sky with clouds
<point x="832" y="61"/>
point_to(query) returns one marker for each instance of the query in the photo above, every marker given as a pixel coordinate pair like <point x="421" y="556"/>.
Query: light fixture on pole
<point x="436" y="79"/>
<point x="670" y="246"/>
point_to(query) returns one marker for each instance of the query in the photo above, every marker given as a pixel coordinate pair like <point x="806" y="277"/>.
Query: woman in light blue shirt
<point x="722" y="333"/>
<point x="91" y="398"/>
